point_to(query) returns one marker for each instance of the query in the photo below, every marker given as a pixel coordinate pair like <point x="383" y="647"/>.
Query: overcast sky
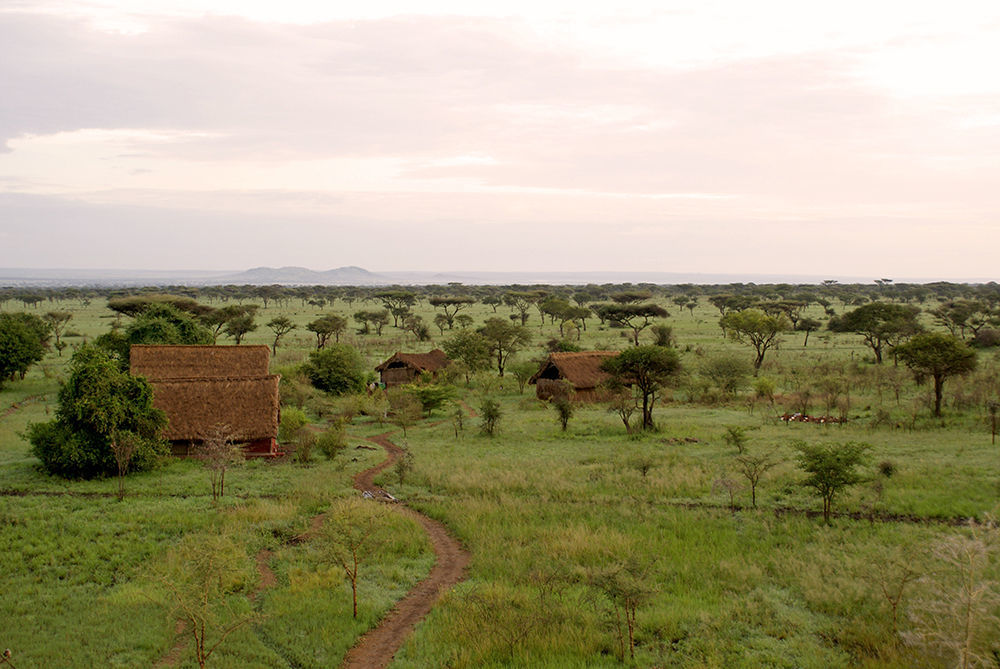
<point x="841" y="138"/>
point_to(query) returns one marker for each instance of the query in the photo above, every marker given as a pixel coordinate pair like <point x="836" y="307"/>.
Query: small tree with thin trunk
<point x="201" y="576"/>
<point x="753" y="467"/>
<point x="564" y="410"/>
<point x="219" y="453"/>
<point x="938" y="356"/>
<point x="124" y="446"/>
<point x="353" y="534"/>
<point x="489" y="413"/>
<point x="280" y="326"/>
<point x="831" y="469"/>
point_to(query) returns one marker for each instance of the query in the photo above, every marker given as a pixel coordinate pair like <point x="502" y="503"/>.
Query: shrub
<point x="489" y="412"/>
<point x="97" y="401"/>
<point x="331" y="442"/>
<point x="337" y="369"/>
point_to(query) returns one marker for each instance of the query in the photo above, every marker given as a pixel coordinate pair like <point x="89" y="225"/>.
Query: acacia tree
<point x="648" y="369"/>
<point x="831" y="468"/>
<point x="22" y="344"/>
<point x="353" y="532"/>
<point x="398" y="302"/>
<point x="240" y="326"/>
<point x="218" y="320"/>
<point x="636" y="317"/>
<point x="57" y="321"/>
<point x="470" y="348"/>
<point x="754" y="327"/>
<point x="505" y="339"/>
<point x="280" y="326"/>
<point x="880" y="323"/>
<point x="451" y="305"/>
<point x="938" y="356"/>
<point x="325" y="327"/>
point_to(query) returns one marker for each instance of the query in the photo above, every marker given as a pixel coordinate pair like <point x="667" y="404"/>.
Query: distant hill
<point x="341" y="276"/>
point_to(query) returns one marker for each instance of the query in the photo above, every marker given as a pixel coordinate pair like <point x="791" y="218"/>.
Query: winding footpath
<point x="376" y="649"/>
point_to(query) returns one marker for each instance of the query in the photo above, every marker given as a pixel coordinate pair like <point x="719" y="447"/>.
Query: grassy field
<point x="571" y="533"/>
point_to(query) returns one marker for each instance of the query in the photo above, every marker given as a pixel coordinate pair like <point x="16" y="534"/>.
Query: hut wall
<point x="395" y="376"/>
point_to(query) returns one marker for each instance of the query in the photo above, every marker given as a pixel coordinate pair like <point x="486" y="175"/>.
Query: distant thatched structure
<point x="404" y="368"/>
<point x="200" y="387"/>
<point x="579" y="371"/>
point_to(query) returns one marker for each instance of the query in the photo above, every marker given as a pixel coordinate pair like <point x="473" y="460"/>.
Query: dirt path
<point x="376" y="649"/>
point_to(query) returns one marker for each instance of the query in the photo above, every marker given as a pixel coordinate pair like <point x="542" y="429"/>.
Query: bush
<point x="97" y="401"/>
<point x="489" y="412"/>
<point x="986" y="338"/>
<point x="730" y="373"/>
<point x="331" y="442"/>
<point x="337" y="369"/>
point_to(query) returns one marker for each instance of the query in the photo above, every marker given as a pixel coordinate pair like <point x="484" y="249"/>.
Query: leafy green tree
<point x="397" y="302"/>
<point x="505" y="339"/>
<point x="754" y="327"/>
<point x="489" y="414"/>
<point x="636" y="317"/>
<point x="564" y="410"/>
<point x="337" y="369"/>
<point x="470" y="348"/>
<point x="325" y="327"/>
<point x="523" y="371"/>
<point x="98" y="401"/>
<point x="240" y="326"/>
<point x="880" y="323"/>
<point x="807" y="325"/>
<point x="57" y="321"/>
<point x="648" y="369"/>
<point x="280" y="326"/>
<point x="165" y="324"/>
<point x="831" y="468"/>
<point x="938" y="356"/>
<point x="451" y="305"/>
<point x="23" y="340"/>
<point x="431" y="396"/>
<point x="219" y="319"/>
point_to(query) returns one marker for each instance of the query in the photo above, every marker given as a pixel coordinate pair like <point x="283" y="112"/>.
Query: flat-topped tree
<point x="938" y="356"/>
<point x="451" y="305"/>
<point x="325" y="327"/>
<point x="648" y="369"/>
<point x="637" y="317"/>
<point x="880" y="323"/>
<point x="754" y="327"/>
<point x="505" y="339"/>
<point x="398" y="302"/>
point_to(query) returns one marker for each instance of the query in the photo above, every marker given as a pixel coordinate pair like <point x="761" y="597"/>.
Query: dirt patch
<point x="267" y="577"/>
<point x="376" y="648"/>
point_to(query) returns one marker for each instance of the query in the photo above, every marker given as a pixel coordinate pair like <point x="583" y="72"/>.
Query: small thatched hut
<point x="579" y="371"/>
<point x="201" y="387"/>
<point x="404" y="368"/>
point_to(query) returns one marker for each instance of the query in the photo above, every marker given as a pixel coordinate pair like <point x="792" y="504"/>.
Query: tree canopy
<point x="98" y="403"/>
<point x="754" y="327"/>
<point x="938" y="356"/>
<point x="23" y="340"/>
<point x="648" y="369"/>
<point x="880" y="323"/>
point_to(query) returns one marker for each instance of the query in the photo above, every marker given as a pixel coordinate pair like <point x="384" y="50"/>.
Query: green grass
<point x="544" y="513"/>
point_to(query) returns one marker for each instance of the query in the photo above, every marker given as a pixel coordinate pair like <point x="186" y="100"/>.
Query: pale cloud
<point x="719" y="131"/>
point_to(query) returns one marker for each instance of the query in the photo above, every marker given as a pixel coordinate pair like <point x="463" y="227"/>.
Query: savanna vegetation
<point x="781" y="475"/>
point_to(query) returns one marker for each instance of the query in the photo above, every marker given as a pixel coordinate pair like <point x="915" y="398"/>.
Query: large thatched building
<point x="404" y="368"/>
<point x="203" y="387"/>
<point x="580" y="372"/>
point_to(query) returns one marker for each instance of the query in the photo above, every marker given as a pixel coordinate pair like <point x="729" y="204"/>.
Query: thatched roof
<point x="582" y="369"/>
<point x="422" y="362"/>
<point x="199" y="362"/>
<point x="248" y="406"/>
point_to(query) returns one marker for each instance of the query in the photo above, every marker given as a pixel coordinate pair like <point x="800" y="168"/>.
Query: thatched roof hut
<point x="249" y="406"/>
<point x="199" y="362"/>
<point x="406" y="367"/>
<point x="581" y="371"/>
<point x="201" y="387"/>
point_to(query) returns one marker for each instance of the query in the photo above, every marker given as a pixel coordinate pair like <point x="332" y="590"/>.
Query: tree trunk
<point x="938" y="387"/>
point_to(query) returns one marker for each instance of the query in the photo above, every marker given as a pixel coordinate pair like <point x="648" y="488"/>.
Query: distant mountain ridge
<point x="350" y="275"/>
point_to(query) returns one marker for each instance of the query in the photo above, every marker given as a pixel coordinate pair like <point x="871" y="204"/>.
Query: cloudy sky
<point x="842" y="139"/>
